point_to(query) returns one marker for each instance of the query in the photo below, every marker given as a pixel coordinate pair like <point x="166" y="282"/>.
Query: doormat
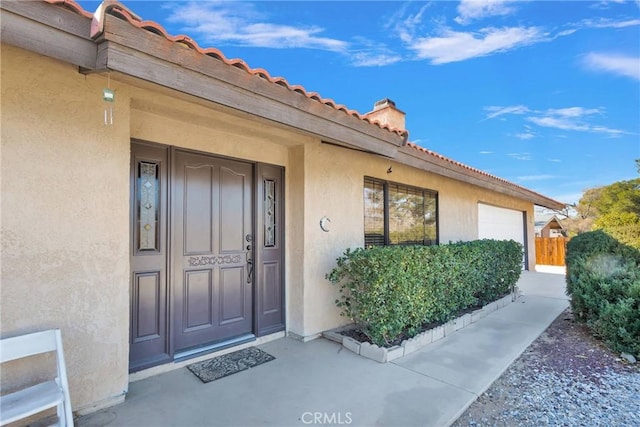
<point x="228" y="364"/>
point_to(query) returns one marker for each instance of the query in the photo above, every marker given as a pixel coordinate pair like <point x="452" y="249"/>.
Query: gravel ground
<point x="564" y="378"/>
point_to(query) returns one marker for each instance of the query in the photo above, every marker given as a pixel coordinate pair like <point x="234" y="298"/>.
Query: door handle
<point x="249" y="265"/>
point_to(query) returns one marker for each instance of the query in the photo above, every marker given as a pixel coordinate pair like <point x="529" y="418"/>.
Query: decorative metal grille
<point x="269" y="213"/>
<point x="148" y="206"/>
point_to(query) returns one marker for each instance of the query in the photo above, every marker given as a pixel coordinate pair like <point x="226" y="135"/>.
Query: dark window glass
<point x="399" y="215"/>
<point x="373" y="213"/>
<point x="430" y="218"/>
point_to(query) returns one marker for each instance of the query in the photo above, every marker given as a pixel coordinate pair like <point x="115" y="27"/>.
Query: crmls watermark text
<point x="327" y="418"/>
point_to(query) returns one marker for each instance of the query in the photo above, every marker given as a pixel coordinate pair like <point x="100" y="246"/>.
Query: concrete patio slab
<point x="320" y="382"/>
<point x="306" y="379"/>
<point x="532" y="309"/>
<point x="553" y="269"/>
<point x="543" y="284"/>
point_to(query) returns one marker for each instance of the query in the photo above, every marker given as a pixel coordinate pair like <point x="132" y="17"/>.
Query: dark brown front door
<point x="194" y="251"/>
<point x="212" y="250"/>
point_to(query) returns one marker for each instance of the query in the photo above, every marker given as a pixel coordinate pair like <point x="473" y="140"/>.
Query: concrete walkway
<point x="320" y="383"/>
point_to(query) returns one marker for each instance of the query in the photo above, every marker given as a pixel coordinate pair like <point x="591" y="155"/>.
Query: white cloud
<point x="570" y="119"/>
<point x="520" y="156"/>
<point x="573" y="119"/>
<point x="372" y="59"/>
<point x="607" y="23"/>
<point x="241" y="24"/>
<point x="622" y="65"/>
<point x="486" y="152"/>
<point x="609" y="131"/>
<point x="605" y="4"/>
<point x="574" y="111"/>
<point x="365" y="53"/>
<point x="541" y="177"/>
<point x="453" y="46"/>
<point x="525" y="135"/>
<point x="495" y="111"/>
<point x="554" y="160"/>
<point x="567" y="197"/>
<point x="566" y="32"/>
<point x="219" y="22"/>
<point x="405" y="26"/>
<point x="599" y="23"/>
<point x="470" y="10"/>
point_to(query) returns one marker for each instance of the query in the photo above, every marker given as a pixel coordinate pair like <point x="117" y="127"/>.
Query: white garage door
<point x="500" y="224"/>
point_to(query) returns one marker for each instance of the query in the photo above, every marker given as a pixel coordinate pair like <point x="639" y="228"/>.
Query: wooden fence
<point x="551" y="250"/>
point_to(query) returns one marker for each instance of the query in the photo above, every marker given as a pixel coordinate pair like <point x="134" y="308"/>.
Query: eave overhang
<point x="141" y="53"/>
<point x="440" y="165"/>
<point x="131" y="50"/>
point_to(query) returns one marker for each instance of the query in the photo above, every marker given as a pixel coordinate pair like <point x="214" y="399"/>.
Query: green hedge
<point x="603" y="281"/>
<point x="393" y="291"/>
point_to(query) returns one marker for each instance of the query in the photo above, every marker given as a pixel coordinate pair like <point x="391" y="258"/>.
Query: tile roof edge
<point x="71" y="5"/>
<point x="116" y="8"/>
<point x="476" y="171"/>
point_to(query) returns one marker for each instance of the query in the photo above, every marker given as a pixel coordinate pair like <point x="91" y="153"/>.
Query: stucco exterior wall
<point x="65" y="208"/>
<point x="65" y="191"/>
<point x="295" y="242"/>
<point x="65" y="200"/>
<point x="166" y="120"/>
<point x="339" y="196"/>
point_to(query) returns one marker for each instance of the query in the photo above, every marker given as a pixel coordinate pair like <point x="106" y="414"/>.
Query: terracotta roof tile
<point x="118" y="9"/>
<point x="115" y="8"/>
<point x="469" y="168"/>
<point x="73" y="6"/>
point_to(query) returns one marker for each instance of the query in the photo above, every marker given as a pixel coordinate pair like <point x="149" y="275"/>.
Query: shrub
<point x="603" y="280"/>
<point x="395" y="290"/>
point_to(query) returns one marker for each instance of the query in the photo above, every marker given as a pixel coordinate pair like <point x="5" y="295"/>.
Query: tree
<point x="623" y="226"/>
<point x="614" y="208"/>
<point x="585" y="213"/>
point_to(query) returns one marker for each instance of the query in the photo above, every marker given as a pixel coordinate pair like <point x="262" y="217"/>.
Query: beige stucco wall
<point x="295" y="230"/>
<point x="65" y="207"/>
<point x="65" y="191"/>
<point x="339" y="196"/>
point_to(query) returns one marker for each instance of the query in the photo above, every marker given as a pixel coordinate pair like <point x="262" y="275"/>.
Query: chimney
<point x="385" y="112"/>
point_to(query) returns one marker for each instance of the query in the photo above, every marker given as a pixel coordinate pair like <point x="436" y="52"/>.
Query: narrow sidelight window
<point x="147" y="204"/>
<point x="269" y="213"/>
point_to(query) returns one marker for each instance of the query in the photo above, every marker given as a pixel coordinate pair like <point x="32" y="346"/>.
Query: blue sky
<point x="545" y="94"/>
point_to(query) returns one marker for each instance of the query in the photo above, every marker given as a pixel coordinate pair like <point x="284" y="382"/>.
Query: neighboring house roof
<point x="551" y="223"/>
<point x="208" y="74"/>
